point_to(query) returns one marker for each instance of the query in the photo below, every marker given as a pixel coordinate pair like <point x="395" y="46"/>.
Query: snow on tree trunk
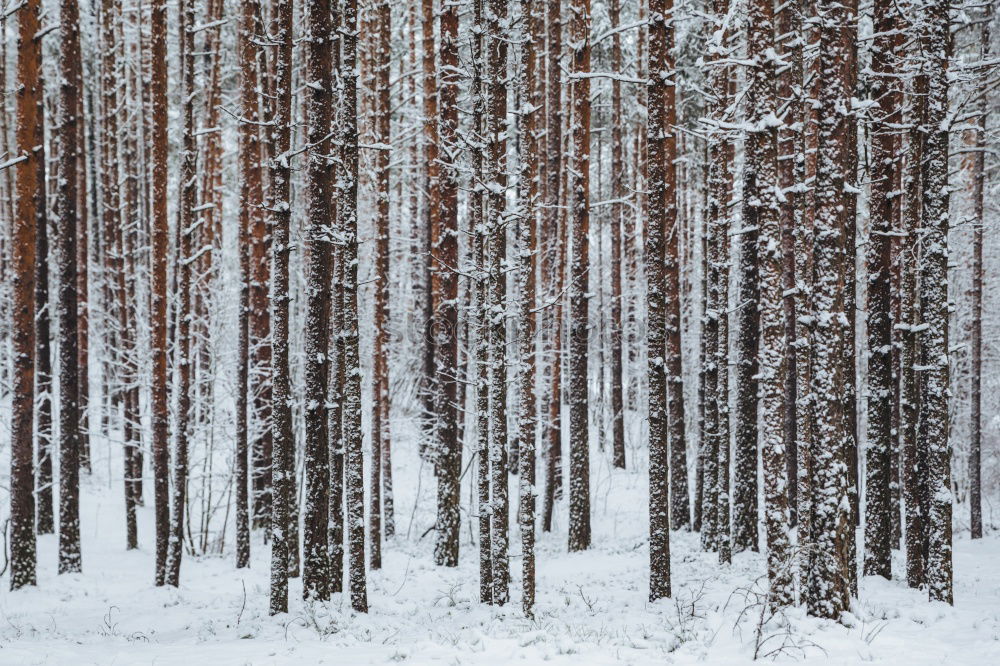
<point x="747" y="341"/>
<point x="760" y="211"/>
<point x="354" y="471"/>
<point x="250" y="200"/>
<point x="530" y="94"/>
<point x="431" y="146"/>
<point x="278" y="205"/>
<point x="828" y="591"/>
<point x="319" y="171"/>
<point x="182" y="345"/>
<point x="914" y="458"/>
<point x="158" y="283"/>
<point x="579" y="215"/>
<point x="933" y="338"/>
<point x="978" y="176"/>
<point x="878" y="460"/>
<point x="552" y="433"/>
<point x="446" y="344"/>
<point x="479" y="321"/>
<point x="495" y="183"/>
<point x="788" y="36"/>
<point x="659" y="156"/>
<point x="715" y="502"/>
<point x="43" y="359"/>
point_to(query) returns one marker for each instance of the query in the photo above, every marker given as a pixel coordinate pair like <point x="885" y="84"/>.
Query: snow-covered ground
<point x="592" y="607"/>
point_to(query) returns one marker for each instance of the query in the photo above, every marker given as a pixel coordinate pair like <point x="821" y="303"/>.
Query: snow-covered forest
<point x="499" y="331"/>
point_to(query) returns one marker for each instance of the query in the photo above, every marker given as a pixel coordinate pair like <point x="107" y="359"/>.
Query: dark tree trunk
<point x="662" y="215"/>
<point x="22" y="269"/>
<point x="448" y="444"/>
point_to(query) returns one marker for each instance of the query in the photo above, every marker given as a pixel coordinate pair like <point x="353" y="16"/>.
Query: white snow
<point x="592" y="607"/>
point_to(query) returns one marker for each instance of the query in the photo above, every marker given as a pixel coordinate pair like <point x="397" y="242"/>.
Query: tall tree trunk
<point x="496" y="25"/>
<point x="354" y="477"/>
<point x="617" y="229"/>
<point x="828" y="592"/>
<point x="808" y="115"/>
<point x="914" y="457"/>
<point x="279" y="208"/>
<point x="315" y="554"/>
<point x="978" y="175"/>
<point x="22" y="259"/>
<point x="380" y="381"/>
<point x="715" y="500"/>
<point x="747" y="388"/>
<point x="262" y="445"/>
<point x="788" y="34"/>
<point x="250" y="200"/>
<point x="183" y="346"/>
<point x="878" y="461"/>
<point x="384" y="137"/>
<point x="73" y="71"/>
<point x="760" y="211"/>
<point x="662" y="212"/>
<point x="337" y="376"/>
<point x="552" y="435"/>
<point x="579" y="215"/>
<point x="448" y="446"/>
<point x="158" y="283"/>
<point x="933" y="338"/>
<point x="432" y="214"/>
<point x="532" y="22"/>
<point x="480" y="317"/>
<point x="849" y="33"/>
<point x="43" y="360"/>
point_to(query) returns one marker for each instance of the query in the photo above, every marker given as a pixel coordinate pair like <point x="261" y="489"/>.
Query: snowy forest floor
<point x="592" y="607"/>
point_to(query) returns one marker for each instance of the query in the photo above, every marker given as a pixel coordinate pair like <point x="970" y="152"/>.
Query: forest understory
<point x="592" y="608"/>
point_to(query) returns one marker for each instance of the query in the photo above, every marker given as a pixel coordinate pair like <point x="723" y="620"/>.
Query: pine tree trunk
<point x="716" y="500"/>
<point x="933" y="338"/>
<point x="380" y="381"/>
<point x="552" y="434"/>
<point x="747" y="343"/>
<point x="579" y="214"/>
<point x="528" y="185"/>
<point x="760" y="211"/>
<point x="617" y="228"/>
<point x="319" y="102"/>
<point x="978" y="175"/>
<point x="183" y="346"/>
<point x="806" y="150"/>
<point x="849" y="34"/>
<point x="480" y="318"/>
<point x="878" y="461"/>
<point x="262" y="445"/>
<point x="354" y="472"/>
<point x="658" y="159"/>
<point x="250" y="200"/>
<point x="448" y="445"/>
<point x="278" y="206"/>
<point x="73" y="87"/>
<point x="337" y="376"/>
<point x="495" y="182"/>
<point x="788" y="33"/>
<point x="913" y="452"/>
<point x="22" y="267"/>
<point x="158" y="286"/>
<point x="432" y="222"/>
<point x="828" y="592"/>
<point x="43" y="360"/>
